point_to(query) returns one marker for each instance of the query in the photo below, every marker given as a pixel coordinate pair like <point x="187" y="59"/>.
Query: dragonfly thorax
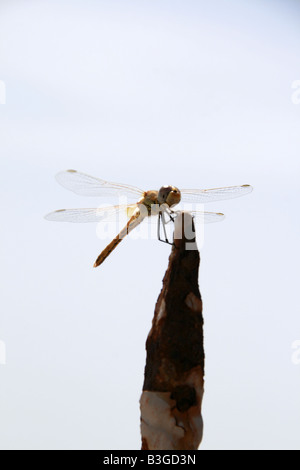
<point x="149" y="201"/>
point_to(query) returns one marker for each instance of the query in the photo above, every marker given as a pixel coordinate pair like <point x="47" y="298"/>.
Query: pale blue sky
<point x="195" y="94"/>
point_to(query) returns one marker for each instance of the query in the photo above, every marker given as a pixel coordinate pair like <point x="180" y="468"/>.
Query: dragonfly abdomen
<point x="133" y="222"/>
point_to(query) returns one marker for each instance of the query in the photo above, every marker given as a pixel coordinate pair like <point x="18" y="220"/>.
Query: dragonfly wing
<point x="207" y="217"/>
<point x="90" y="215"/>
<point x="219" y="194"/>
<point x="86" y="185"/>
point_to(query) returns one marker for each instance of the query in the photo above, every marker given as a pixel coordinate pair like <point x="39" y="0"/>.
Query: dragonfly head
<point x="169" y="195"/>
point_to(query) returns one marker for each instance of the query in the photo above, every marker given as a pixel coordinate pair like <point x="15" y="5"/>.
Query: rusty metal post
<point x="174" y="373"/>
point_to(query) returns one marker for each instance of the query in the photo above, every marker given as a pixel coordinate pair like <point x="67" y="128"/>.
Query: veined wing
<point x="86" y="185"/>
<point x="90" y="215"/>
<point x="218" y="194"/>
<point x="207" y="217"/>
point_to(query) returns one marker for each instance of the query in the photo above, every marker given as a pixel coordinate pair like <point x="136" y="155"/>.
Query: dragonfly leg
<point x="164" y="226"/>
<point x="159" y="229"/>
<point x="172" y="216"/>
<point x="162" y="221"/>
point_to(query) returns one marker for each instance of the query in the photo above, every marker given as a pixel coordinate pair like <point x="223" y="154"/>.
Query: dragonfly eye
<point x="163" y="194"/>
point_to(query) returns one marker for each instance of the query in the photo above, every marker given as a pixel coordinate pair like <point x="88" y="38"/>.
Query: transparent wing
<point x="207" y="217"/>
<point x="199" y="216"/>
<point x="91" y="215"/>
<point x="218" y="194"/>
<point x="86" y="185"/>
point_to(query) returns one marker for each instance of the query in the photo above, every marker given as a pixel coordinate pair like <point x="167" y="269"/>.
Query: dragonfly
<point x="159" y="203"/>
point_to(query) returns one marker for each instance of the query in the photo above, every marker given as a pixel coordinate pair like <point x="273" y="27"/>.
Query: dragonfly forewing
<point x="85" y="185"/>
<point x="203" y="196"/>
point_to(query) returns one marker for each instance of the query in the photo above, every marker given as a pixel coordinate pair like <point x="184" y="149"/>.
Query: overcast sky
<point x="191" y="93"/>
